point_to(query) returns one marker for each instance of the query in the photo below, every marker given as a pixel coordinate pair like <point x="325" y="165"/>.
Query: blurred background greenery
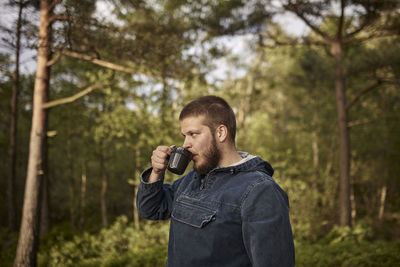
<point x="141" y="61"/>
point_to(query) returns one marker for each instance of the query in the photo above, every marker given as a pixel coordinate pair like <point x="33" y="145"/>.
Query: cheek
<point x="204" y="146"/>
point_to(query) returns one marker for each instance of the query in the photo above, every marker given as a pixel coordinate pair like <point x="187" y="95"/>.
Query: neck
<point x="229" y="156"/>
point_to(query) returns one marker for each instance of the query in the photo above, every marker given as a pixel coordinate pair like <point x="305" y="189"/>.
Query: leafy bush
<point x="348" y="253"/>
<point x="348" y="247"/>
<point x="122" y="245"/>
<point x="119" y="245"/>
<point x="8" y="246"/>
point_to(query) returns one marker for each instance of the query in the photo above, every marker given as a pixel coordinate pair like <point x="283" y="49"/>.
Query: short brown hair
<point x="216" y="112"/>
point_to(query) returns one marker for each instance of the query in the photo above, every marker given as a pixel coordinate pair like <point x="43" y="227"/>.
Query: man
<point x="227" y="211"/>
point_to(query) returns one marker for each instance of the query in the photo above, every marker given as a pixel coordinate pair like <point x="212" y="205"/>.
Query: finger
<point x="160" y="156"/>
<point x="170" y="148"/>
<point x="159" y="159"/>
<point x="164" y="149"/>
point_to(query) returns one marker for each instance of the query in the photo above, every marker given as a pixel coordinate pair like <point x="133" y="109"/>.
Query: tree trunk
<point x="315" y="135"/>
<point x="12" y="226"/>
<point x="44" y="208"/>
<point x="382" y="201"/>
<point x="385" y="159"/>
<point x="104" y="186"/>
<point x="244" y="109"/>
<point x="344" y="141"/>
<point x="136" y="219"/>
<point x="71" y="183"/>
<point x="135" y="188"/>
<point x="83" y="197"/>
<point x="353" y="204"/>
<point x="28" y="237"/>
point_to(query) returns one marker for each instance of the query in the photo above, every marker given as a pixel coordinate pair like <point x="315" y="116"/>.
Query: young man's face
<point x="201" y="142"/>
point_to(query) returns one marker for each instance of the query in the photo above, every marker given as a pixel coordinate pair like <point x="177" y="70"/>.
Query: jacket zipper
<point x="202" y="181"/>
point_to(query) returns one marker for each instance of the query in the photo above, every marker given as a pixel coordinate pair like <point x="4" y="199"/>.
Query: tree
<point x="335" y="25"/>
<point x="15" y="44"/>
<point x="27" y="243"/>
<point x="346" y="33"/>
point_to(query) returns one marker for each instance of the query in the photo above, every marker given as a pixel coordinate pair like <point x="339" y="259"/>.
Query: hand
<point x="159" y="162"/>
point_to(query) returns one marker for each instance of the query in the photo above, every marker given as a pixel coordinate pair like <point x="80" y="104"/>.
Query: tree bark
<point x="135" y="188"/>
<point x="244" y="110"/>
<point x="104" y="187"/>
<point x="315" y="132"/>
<point x="44" y="206"/>
<point x="385" y="172"/>
<point x="382" y="201"/>
<point x="71" y="183"/>
<point x="83" y="197"/>
<point x="344" y="140"/>
<point x="28" y="237"/>
<point x="12" y="226"/>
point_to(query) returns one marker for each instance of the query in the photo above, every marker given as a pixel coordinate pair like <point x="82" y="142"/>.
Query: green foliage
<point x="346" y="247"/>
<point x="119" y="245"/>
<point x="285" y="110"/>
<point x="348" y="253"/>
<point x="8" y="246"/>
<point x="122" y="245"/>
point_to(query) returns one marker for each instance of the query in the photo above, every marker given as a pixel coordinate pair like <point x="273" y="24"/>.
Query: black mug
<point x="179" y="160"/>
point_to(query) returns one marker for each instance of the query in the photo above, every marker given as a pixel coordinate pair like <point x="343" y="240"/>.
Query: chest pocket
<point x="193" y="215"/>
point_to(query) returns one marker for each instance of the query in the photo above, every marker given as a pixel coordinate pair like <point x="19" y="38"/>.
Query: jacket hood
<point x="252" y="164"/>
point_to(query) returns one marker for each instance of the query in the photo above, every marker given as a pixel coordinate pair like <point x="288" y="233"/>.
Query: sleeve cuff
<point x="154" y="186"/>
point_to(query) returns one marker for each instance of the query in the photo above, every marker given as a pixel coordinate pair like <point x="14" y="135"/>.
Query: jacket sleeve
<point x="267" y="232"/>
<point x="154" y="200"/>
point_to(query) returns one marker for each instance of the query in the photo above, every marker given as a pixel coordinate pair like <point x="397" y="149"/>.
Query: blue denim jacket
<point x="233" y="216"/>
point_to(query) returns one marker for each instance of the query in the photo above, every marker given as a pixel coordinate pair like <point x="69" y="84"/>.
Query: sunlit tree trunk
<point x="344" y="141"/>
<point x="382" y="200"/>
<point x="12" y="225"/>
<point x="28" y="237"/>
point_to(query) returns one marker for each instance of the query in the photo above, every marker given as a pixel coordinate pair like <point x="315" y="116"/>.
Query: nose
<point x="187" y="144"/>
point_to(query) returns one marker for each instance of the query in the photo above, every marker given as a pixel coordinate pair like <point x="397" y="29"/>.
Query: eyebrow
<point x="189" y="132"/>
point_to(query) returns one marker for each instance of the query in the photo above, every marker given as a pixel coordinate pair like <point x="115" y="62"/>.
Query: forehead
<point x="192" y="123"/>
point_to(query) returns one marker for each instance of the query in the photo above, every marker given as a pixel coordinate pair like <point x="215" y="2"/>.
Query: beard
<point x="211" y="158"/>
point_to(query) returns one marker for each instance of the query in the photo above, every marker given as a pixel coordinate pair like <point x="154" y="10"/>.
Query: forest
<point x="89" y="88"/>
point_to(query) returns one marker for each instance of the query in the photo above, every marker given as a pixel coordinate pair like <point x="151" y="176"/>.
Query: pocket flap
<point x="192" y="214"/>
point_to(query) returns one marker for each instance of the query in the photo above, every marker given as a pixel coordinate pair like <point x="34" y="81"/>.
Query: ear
<point x="221" y="133"/>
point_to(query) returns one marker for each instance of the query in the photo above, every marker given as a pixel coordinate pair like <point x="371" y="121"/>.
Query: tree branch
<point x="53" y="5"/>
<point x="290" y="42"/>
<point x="102" y="63"/>
<point x="359" y="29"/>
<point x="276" y="41"/>
<point x="341" y="21"/>
<point x="59" y="18"/>
<point x="55" y="58"/>
<point x="72" y="98"/>
<point x="362" y="92"/>
<point x="294" y="8"/>
<point x="6" y="71"/>
<point x="366" y="121"/>
<point x="375" y="35"/>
